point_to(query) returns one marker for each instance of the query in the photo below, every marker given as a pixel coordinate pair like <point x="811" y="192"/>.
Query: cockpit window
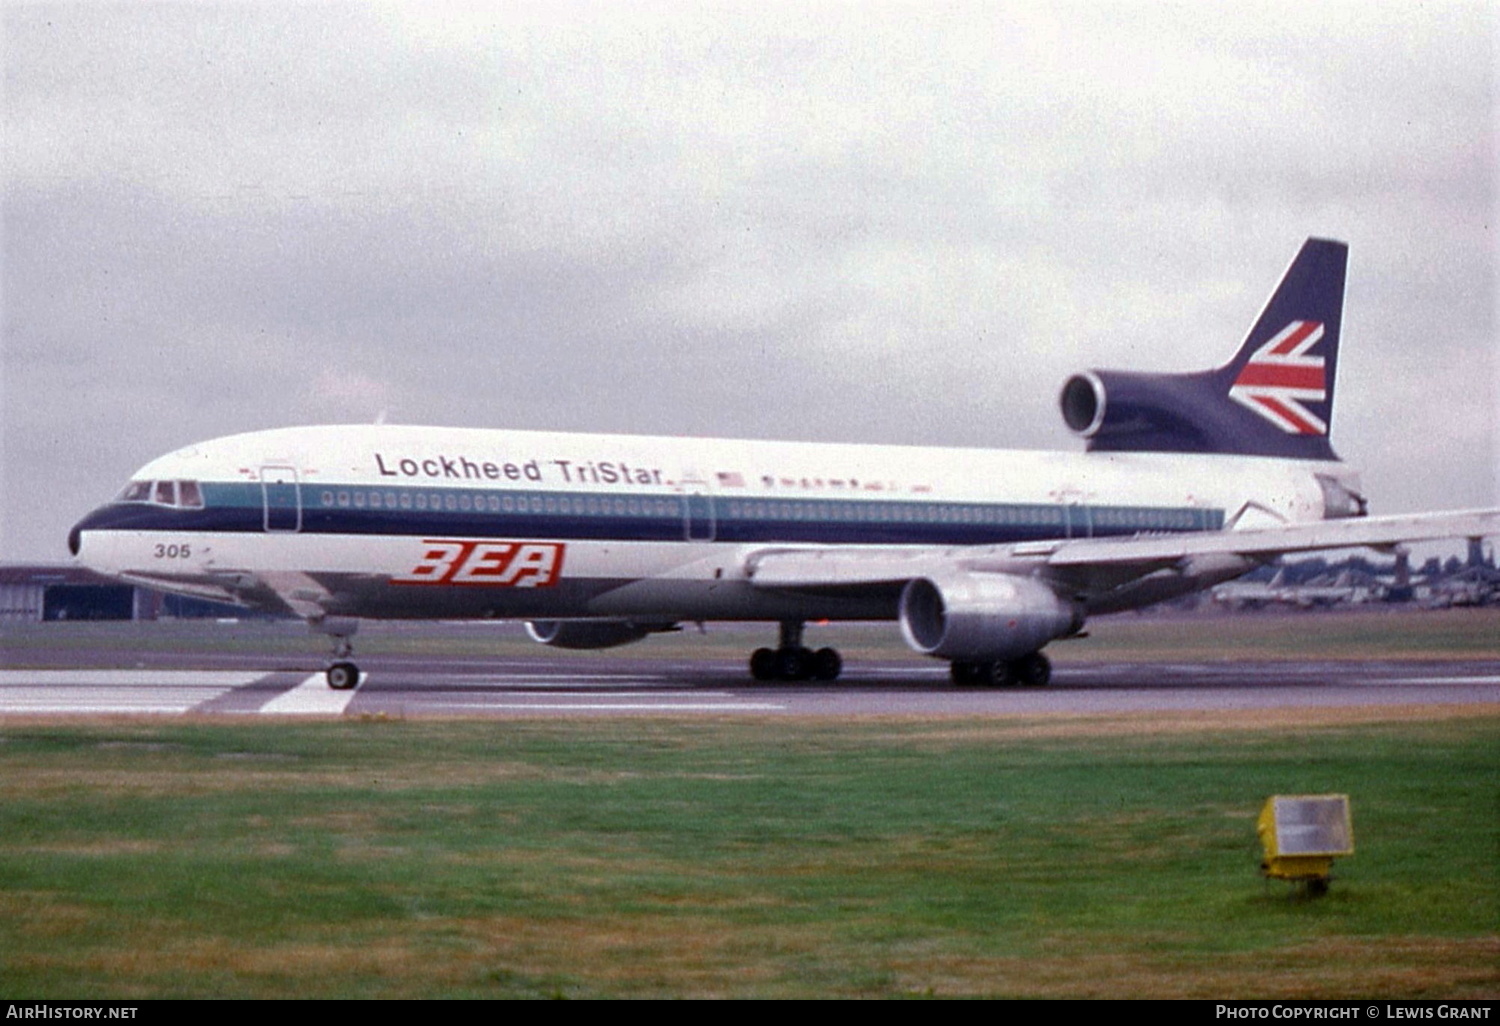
<point x="181" y="494"/>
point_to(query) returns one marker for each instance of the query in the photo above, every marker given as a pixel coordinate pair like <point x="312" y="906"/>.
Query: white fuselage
<point x="413" y="522"/>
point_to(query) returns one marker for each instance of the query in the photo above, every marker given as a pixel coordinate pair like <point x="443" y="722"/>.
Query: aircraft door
<point x="1077" y="517"/>
<point x="1080" y="520"/>
<point x="700" y="524"/>
<point x="281" y="496"/>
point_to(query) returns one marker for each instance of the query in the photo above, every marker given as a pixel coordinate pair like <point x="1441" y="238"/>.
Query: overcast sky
<point x="847" y="222"/>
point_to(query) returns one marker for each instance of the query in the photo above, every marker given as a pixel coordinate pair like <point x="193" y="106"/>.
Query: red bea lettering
<point x="436" y="565"/>
<point x="486" y="563"/>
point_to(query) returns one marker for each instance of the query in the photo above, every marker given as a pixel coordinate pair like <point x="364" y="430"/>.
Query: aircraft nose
<point x="75" y="537"/>
<point x="84" y="540"/>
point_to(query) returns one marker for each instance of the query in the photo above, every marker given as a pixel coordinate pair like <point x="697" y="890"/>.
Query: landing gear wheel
<point x="826" y="664"/>
<point x="790" y="660"/>
<point x="966" y="674"/>
<point x="1001" y="674"/>
<point x="763" y="664"/>
<point x="1034" y="670"/>
<point x="342" y="676"/>
<point x="794" y="663"/>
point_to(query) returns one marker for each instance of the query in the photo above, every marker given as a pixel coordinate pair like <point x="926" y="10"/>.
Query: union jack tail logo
<point x="1281" y="377"/>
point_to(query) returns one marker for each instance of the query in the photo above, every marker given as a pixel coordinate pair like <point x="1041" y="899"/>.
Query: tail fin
<point x="1274" y="398"/>
<point x="1285" y="370"/>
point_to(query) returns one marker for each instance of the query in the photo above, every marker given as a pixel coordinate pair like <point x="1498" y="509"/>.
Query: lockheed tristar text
<point x="462" y="468"/>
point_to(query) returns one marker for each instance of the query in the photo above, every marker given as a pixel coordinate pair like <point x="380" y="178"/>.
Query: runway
<point x="568" y="686"/>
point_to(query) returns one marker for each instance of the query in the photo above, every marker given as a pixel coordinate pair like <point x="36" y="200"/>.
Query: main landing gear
<point x="790" y="661"/>
<point x="1032" y="671"/>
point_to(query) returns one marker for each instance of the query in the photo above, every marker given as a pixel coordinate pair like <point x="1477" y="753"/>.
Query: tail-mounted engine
<point x="1273" y="398"/>
<point x="1122" y="411"/>
<point x="979" y="617"/>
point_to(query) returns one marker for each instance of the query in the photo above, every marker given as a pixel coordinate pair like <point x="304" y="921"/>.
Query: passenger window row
<point x="893" y="512"/>
<point x="471" y="502"/>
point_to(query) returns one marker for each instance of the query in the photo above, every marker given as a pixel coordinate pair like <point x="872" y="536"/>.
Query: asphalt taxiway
<point x="562" y="685"/>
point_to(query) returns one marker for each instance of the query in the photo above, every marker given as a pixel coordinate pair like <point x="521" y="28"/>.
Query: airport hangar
<point x="37" y="593"/>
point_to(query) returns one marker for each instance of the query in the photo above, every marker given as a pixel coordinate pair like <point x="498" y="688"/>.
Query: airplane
<point x="982" y="557"/>
<point x="1343" y="588"/>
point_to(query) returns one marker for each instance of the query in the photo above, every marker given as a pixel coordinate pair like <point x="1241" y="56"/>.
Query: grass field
<point x="1077" y="857"/>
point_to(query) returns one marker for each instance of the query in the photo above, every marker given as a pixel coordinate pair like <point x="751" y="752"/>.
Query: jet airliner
<point x="982" y="557"/>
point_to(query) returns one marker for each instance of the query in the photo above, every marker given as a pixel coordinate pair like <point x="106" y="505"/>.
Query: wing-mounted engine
<point x="983" y="617"/>
<point x="1273" y="398"/>
<point x="587" y="634"/>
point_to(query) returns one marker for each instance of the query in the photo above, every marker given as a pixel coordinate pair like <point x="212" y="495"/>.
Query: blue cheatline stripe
<point x="368" y="510"/>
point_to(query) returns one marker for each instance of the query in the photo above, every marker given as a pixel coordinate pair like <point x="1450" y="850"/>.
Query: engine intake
<point x="588" y="634"/>
<point x="982" y="617"/>
<point x="1083" y="400"/>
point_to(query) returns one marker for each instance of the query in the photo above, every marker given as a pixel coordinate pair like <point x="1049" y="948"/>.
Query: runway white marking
<point x="572" y="678"/>
<point x="557" y="684"/>
<point x="552" y="693"/>
<point x="622" y="706"/>
<point x="111" y="678"/>
<point x="95" y="692"/>
<point x="313" y="697"/>
<point x="1441" y="680"/>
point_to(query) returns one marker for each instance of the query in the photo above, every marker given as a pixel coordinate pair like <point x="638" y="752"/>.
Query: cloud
<point x="891" y="223"/>
<point x="340" y="394"/>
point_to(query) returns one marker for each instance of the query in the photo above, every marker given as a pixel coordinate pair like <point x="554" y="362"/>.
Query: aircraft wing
<point x="1094" y="565"/>
<point x="1377" y="532"/>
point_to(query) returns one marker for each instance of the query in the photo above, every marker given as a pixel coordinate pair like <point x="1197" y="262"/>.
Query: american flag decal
<point x="1280" y="377"/>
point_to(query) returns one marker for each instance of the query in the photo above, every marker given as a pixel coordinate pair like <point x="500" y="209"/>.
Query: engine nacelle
<point x="983" y="617"/>
<point x="584" y="634"/>
<point x="1120" y="411"/>
<point x="1125" y="411"/>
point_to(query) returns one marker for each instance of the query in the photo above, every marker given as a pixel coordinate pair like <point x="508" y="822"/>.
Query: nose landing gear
<point x="341" y="674"/>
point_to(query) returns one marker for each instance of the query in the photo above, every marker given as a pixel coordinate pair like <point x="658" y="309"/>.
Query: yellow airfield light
<point x="1302" y="834"/>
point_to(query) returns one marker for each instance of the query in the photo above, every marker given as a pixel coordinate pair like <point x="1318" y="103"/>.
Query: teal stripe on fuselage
<point x="642" y="516"/>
